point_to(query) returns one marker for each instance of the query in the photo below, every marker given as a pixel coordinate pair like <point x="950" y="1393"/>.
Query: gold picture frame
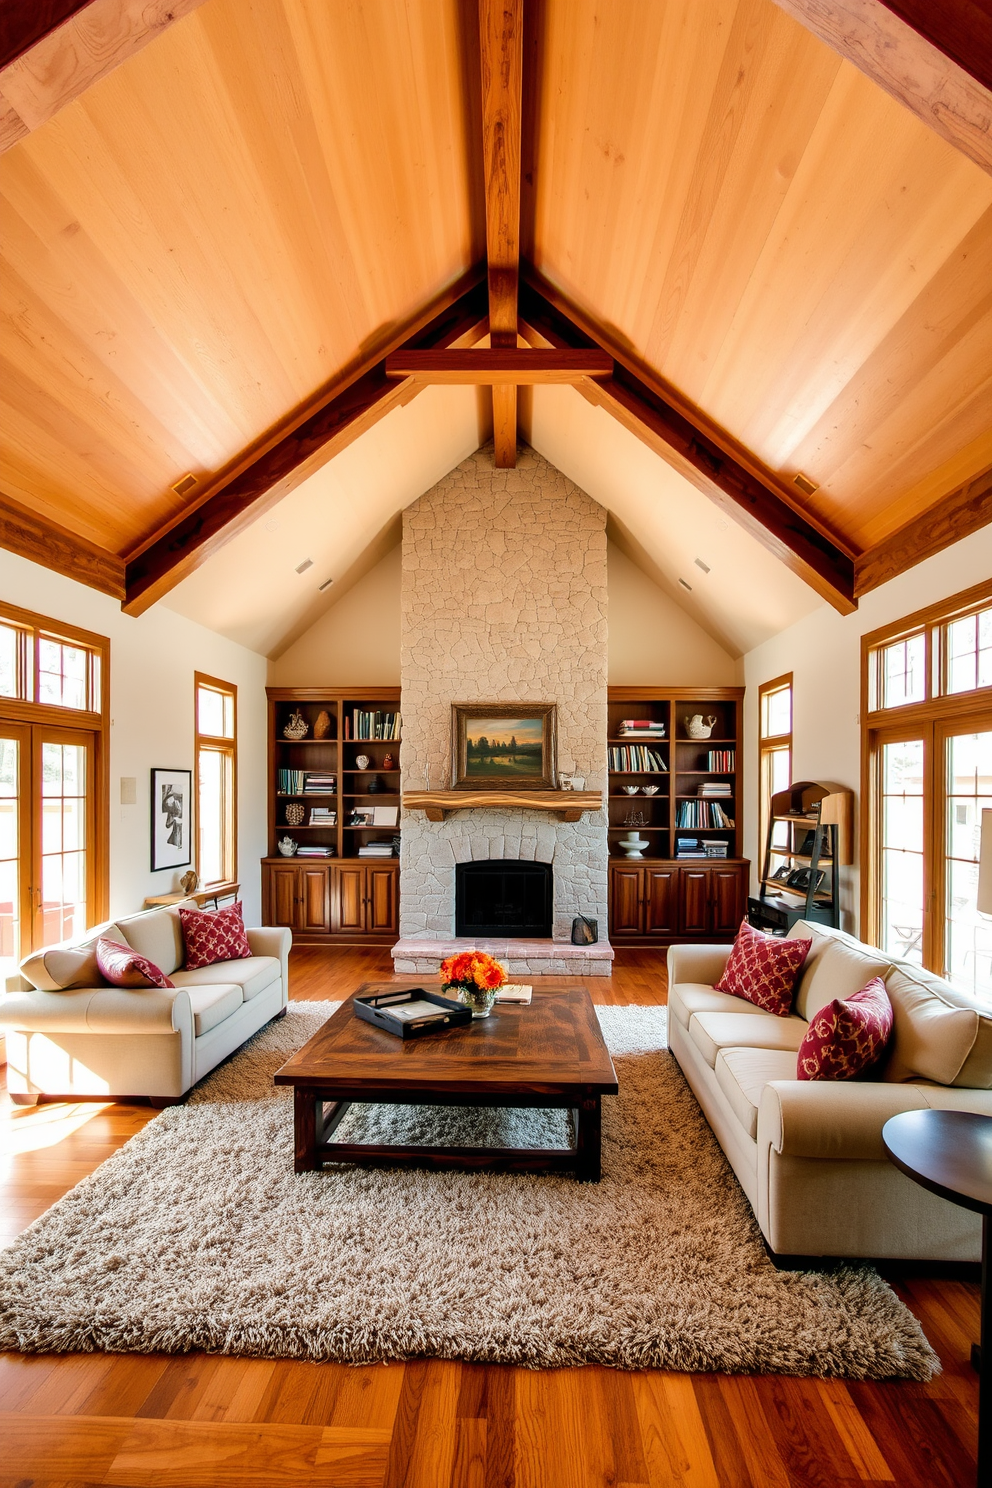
<point x="503" y="746"/>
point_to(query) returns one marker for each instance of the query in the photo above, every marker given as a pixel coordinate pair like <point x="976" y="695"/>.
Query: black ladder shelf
<point x="817" y="817"/>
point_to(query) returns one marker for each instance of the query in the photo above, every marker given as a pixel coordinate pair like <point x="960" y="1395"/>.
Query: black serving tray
<point x="375" y="1007"/>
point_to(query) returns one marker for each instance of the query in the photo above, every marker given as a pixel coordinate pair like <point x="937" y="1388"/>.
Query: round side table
<point x="950" y="1153"/>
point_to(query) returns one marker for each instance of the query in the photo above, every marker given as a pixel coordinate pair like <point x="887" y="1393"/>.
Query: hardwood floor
<point x="202" y="1421"/>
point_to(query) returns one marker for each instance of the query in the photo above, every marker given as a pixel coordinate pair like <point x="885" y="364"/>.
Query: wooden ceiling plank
<point x="499" y="367"/>
<point x="303" y="447"/>
<point x="501" y="47"/>
<point x="753" y="503"/>
<point x="60" y="66"/>
<point x="55" y="547"/>
<point x="908" y="66"/>
<point x="959" y="514"/>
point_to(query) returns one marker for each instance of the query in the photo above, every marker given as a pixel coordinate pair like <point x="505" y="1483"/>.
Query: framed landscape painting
<point x="508" y="746"/>
<point x="172" y="823"/>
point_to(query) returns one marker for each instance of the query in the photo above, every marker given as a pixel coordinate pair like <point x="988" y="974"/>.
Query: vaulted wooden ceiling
<point x="252" y="208"/>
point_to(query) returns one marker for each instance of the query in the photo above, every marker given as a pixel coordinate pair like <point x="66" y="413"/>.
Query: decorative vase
<point x="634" y="844"/>
<point x="189" y="882"/>
<point x="479" y="999"/>
<point x="389" y="763"/>
<point x="698" y="727"/>
<point x="297" y="727"/>
<point x="287" y="846"/>
<point x="362" y="762"/>
<point x="295" y="814"/>
<point x="322" y="727"/>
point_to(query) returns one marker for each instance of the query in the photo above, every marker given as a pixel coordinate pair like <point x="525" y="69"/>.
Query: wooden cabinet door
<point x="626" y="893"/>
<point x="660" y="900"/>
<point x="314" y="906"/>
<point x="348" y="898"/>
<point x="727" y="898"/>
<point x="695" y="899"/>
<point x="381" y="905"/>
<point x="283" y="895"/>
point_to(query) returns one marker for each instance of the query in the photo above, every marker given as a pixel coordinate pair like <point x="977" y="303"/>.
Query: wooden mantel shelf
<point x="569" y="805"/>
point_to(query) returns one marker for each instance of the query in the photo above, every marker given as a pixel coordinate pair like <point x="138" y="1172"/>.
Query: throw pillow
<point x="214" y="935"/>
<point x="123" y="967"/>
<point x="763" y="969"/>
<point x="846" y="1038"/>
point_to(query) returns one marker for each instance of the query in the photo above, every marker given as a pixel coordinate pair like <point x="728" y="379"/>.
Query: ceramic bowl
<point x="649" y="790"/>
<point x="630" y="790"/>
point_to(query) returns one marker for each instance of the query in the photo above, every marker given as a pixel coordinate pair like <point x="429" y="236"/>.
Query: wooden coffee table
<point x="549" y="1053"/>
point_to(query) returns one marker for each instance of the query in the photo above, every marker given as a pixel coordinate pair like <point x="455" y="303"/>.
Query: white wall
<point x="357" y="642"/>
<point x="823" y="652"/>
<point x="653" y="641"/>
<point x="152" y="661"/>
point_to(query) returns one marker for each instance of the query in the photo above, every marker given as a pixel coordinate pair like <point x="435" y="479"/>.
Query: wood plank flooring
<point x="202" y="1421"/>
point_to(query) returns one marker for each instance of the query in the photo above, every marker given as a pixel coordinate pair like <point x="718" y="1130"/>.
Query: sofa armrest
<point x="697" y="963"/>
<point x="844" y="1118"/>
<point x="273" y="940"/>
<point x="148" y="1010"/>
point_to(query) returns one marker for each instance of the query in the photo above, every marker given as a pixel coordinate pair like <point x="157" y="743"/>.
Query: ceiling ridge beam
<point x="911" y="65"/>
<point x="24" y="532"/>
<point x="515" y="367"/>
<point x="958" y="515"/>
<point x="299" y="451"/>
<point x="739" y="490"/>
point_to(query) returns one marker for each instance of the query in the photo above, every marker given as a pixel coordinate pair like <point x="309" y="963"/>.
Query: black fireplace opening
<point x="503" y="897"/>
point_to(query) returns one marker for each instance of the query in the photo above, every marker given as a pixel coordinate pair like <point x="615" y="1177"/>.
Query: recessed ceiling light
<point x="325" y="585"/>
<point x="685" y="585"/>
<point x="272" y="525"/>
<point x="700" y="564"/>
<point x="185" y="484"/>
<point x="302" y="567"/>
<point x="804" y="483"/>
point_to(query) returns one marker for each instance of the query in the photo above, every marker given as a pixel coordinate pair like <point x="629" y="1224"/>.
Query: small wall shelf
<point x="568" y="805"/>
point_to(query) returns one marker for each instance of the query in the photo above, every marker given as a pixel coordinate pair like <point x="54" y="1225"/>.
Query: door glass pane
<point x="210" y="806"/>
<point x="779" y="766"/>
<point x="968" y="938"/>
<point x="902" y="850"/>
<point x="63" y="841"/>
<point x="10" y="919"/>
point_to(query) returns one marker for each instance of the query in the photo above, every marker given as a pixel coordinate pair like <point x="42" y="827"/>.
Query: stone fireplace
<point x="503" y="600"/>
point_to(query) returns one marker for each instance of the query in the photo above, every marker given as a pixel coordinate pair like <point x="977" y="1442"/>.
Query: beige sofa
<point x="70" y="1034"/>
<point x="809" y="1154"/>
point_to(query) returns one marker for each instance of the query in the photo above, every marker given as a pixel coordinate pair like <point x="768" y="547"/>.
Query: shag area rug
<point x="198" y="1235"/>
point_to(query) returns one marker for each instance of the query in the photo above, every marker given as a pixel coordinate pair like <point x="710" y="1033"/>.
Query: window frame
<point x="228" y="748"/>
<point x="769" y="744"/>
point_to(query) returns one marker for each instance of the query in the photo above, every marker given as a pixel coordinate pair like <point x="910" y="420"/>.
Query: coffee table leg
<point x="588" y="1133"/>
<point x="308" y="1122"/>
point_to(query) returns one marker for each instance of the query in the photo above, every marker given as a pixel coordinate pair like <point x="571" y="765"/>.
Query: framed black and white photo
<point x="172" y="819"/>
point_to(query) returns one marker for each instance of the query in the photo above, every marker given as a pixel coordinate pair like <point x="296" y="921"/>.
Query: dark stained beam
<point x="31" y="536"/>
<point x="516" y="368"/>
<point x="329" y="425"/>
<point x="961" y="29"/>
<point x="53" y="50"/>
<point x="949" y="97"/>
<point x="501" y="46"/>
<point x="705" y="455"/>
<point x="958" y="515"/>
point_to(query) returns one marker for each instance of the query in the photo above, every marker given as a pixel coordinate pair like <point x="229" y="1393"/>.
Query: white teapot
<point x="699" y="728"/>
<point x="287" y="846"/>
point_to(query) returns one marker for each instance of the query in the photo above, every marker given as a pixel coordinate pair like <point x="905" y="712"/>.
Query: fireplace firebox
<point x="503" y="897"/>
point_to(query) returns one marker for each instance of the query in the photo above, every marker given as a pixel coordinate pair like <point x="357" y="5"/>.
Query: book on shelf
<point x="636" y="759"/>
<point x="713" y="788"/>
<point x="313" y="851"/>
<point x="365" y="725"/>
<point x="376" y="850"/>
<point x="320" y="783"/>
<point x="689" y="847"/>
<point x="721" y="761"/>
<point x="290" y="782"/>
<point x="715" y="849"/>
<point x="702" y="815"/>
<point x="323" y="816"/>
<point x="646" y="727"/>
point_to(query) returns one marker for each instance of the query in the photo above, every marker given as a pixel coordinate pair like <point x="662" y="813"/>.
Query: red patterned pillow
<point x="846" y="1037"/>
<point x="763" y="969"/>
<point x="122" y="967"/>
<point x="214" y="935"/>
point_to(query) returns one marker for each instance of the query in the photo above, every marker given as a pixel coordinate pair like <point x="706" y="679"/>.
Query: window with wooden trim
<point x="216" y="713"/>
<point x="54" y="760"/>
<point x="774" y="754"/>
<point x="927" y="775"/>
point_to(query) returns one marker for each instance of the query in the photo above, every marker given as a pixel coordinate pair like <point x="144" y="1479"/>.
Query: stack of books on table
<point x="323" y="816"/>
<point x="312" y="851"/>
<point x="318" y="783"/>
<point x="715" y="790"/>
<point x="376" y="850"/>
<point x="689" y="847"/>
<point x="642" y="728"/>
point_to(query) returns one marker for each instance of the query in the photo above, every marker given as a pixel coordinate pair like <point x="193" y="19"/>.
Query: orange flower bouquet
<point x="473" y="977"/>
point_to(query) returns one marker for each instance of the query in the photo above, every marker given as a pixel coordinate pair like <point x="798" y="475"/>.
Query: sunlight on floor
<point x="30" y="1128"/>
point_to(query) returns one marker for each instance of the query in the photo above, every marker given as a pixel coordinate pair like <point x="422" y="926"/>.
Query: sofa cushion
<point x="846" y="1038"/>
<point x="742" y="1075"/>
<point x="252" y="974"/>
<point x="686" y="998"/>
<point x="837" y="966"/>
<point x="157" y="934"/>
<point x="214" y="935"/>
<point x="123" y="967"/>
<point x="58" y="968"/>
<point x="212" y="1004"/>
<point x="763" y="969"/>
<point x="940" y="1034"/>
<point x="711" y="1032"/>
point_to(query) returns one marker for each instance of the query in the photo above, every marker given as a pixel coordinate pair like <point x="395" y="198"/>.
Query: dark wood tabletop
<point x="552" y="1043"/>
<point x="948" y="1152"/>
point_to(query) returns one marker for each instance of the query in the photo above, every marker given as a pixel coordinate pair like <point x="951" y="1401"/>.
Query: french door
<point x="47" y="821"/>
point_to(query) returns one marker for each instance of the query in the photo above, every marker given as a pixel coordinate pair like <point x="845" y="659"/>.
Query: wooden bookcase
<point x="344" y="899"/>
<point x="663" y="897"/>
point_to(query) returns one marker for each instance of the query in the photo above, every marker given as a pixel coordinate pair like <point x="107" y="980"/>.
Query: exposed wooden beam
<point x="914" y="70"/>
<point x="501" y="45"/>
<point x="24" y="532"/>
<point x="961" y="29"/>
<point x="72" y="47"/>
<point x="327" y="426"/>
<point x="705" y="455"/>
<point x="516" y="368"/>
<point x="958" y="515"/>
